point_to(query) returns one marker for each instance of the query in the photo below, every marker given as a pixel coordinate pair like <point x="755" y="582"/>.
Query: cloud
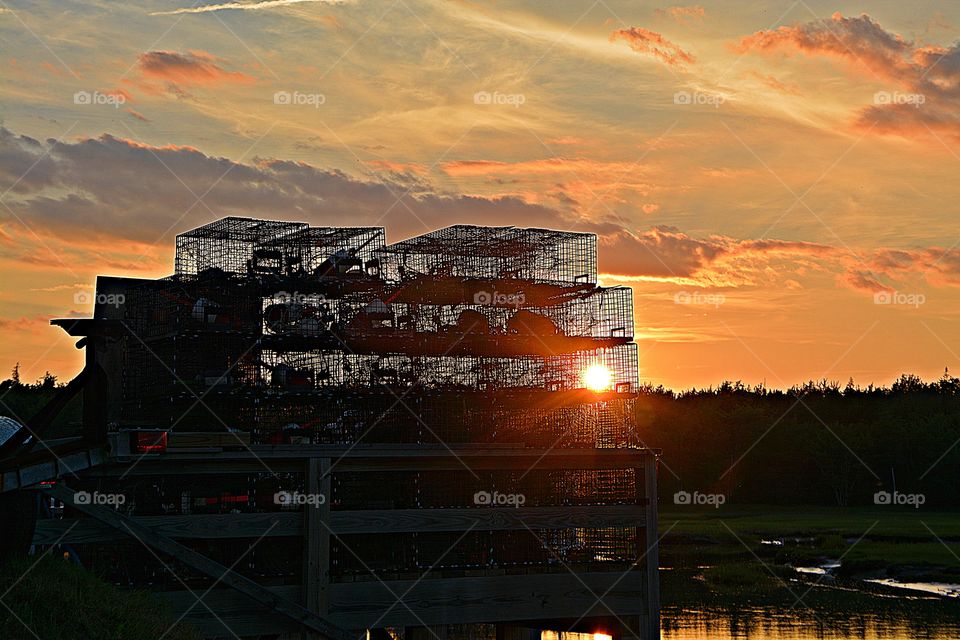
<point x="778" y="86"/>
<point x="187" y="69"/>
<point x="241" y="6"/>
<point x="645" y="41"/>
<point x="922" y="94"/>
<point x="139" y="116"/>
<point x="683" y="15"/>
<point x="664" y="253"/>
<point x="113" y="203"/>
<point x="108" y="192"/>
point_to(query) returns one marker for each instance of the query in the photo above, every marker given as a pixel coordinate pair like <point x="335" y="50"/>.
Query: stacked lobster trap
<point x="318" y="335"/>
<point x="423" y="389"/>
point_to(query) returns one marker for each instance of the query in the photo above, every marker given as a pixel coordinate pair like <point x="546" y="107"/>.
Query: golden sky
<point x="776" y="180"/>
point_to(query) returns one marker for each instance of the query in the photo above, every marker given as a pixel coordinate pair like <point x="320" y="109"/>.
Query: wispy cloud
<point x="241" y="6"/>
<point x="645" y="41"/>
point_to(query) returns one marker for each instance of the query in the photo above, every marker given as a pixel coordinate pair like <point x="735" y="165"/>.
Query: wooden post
<point x="652" y="563"/>
<point x="316" y="567"/>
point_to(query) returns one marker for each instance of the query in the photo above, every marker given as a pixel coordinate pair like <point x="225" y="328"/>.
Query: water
<point x="770" y="623"/>
<point x="938" y="588"/>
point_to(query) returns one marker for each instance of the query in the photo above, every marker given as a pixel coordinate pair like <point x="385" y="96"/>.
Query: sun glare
<point x="597" y="377"/>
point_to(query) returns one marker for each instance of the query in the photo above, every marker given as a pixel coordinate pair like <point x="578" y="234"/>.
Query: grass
<point x="784" y="521"/>
<point x="871" y="542"/>
<point x="56" y="600"/>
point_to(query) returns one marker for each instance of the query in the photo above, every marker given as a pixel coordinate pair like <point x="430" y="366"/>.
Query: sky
<point x="776" y="180"/>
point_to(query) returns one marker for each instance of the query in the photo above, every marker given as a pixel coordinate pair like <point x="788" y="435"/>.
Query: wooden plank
<point x="652" y="559"/>
<point x="280" y="524"/>
<point x="290" y="459"/>
<point x="323" y="532"/>
<point x="187" y="439"/>
<point x="486" y="599"/>
<point x="487" y="519"/>
<point x="57" y="464"/>
<point x="360" y="605"/>
<point x="205" y="526"/>
<point x="316" y="536"/>
<point x="203" y="564"/>
<point x="240" y="615"/>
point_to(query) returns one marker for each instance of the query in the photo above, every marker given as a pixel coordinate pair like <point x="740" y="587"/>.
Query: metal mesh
<point x="232" y="245"/>
<point x="509" y="253"/>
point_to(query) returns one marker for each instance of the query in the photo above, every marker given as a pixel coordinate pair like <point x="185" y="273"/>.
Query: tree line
<point x="819" y="443"/>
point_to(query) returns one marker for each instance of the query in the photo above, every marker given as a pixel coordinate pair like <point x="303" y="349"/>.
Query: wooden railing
<point x="554" y="593"/>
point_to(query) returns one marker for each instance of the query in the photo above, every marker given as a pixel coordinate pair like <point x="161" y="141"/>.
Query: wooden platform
<point x="536" y="594"/>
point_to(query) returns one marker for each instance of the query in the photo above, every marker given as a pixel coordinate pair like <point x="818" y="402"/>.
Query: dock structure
<point x="308" y="430"/>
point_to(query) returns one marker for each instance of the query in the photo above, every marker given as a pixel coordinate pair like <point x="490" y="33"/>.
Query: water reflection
<point x="768" y="623"/>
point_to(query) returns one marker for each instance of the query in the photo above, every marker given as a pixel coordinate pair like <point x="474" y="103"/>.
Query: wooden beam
<point x="282" y="458"/>
<point x="240" y="615"/>
<point x="317" y="536"/>
<point x="292" y="523"/>
<point x="359" y="605"/>
<point x="202" y="526"/>
<point x="650" y="547"/>
<point x="42" y="465"/>
<point x="439" y="601"/>
<point x="203" y="564"/>
<point x="487" y="519"/>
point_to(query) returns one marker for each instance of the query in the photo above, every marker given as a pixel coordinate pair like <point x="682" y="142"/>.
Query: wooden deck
<point x="547" y="596"/>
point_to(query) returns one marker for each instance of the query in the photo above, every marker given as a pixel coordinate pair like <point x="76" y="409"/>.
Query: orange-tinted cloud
<point x="645" y="41"/>
<point x="187" y="69"/>
<point x="923" y="82"/>
<point x="778" y="86"/>
<point x="665" y="253"/>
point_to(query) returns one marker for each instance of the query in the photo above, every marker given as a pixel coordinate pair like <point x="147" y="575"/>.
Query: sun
<point x="597" y="377"/>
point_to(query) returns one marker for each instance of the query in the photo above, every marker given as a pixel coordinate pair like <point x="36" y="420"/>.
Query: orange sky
<point x="776" y="180"/>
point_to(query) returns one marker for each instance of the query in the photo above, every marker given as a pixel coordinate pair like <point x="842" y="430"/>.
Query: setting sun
<point x="597" y="377"/>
